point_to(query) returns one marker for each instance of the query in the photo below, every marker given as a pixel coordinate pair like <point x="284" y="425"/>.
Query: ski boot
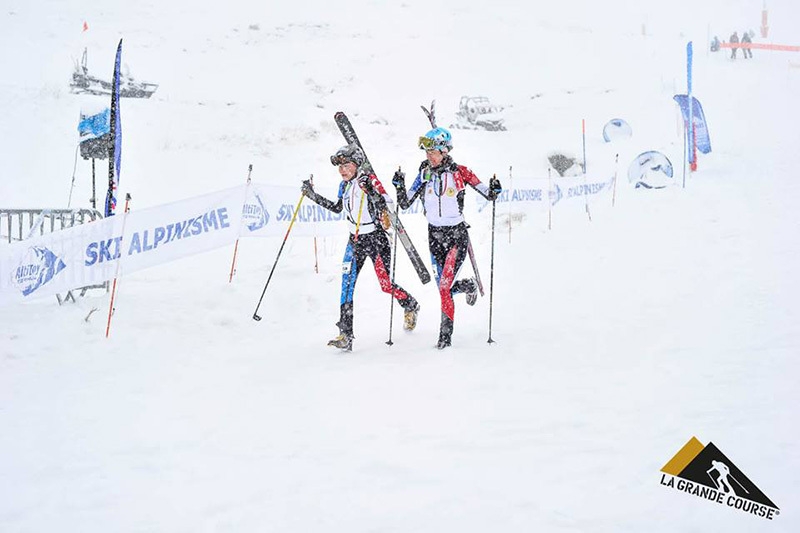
<point x="472" y="291"/>
<point x="445" y="333"/>
<point x="343" y="341"/>
<point x="410" y="318"/>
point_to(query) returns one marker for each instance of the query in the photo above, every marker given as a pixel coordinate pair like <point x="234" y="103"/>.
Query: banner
<point x="115" y="146"/>
<point x="563" y="189"/>
<point x="88" y="254"/>
<point x="268" y="211"/>
<point x="700" y="126"/>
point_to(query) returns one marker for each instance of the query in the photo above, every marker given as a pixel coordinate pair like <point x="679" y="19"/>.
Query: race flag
<point x="115" y="146"/>
<point x="700" y="126"/>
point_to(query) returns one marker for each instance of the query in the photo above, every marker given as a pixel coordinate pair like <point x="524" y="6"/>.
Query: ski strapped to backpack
<point x="350" y="136"/>
<point x="431" y="114"/>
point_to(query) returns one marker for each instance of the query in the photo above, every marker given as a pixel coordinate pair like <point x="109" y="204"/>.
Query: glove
<point x="399" y="179"/>
<point x="494" y="188"/>
<point x="363" y="182"/>
<point x="307" y="188"/>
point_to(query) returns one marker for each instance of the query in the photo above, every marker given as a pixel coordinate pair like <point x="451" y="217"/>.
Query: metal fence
<point x="21" y="224"/>
<point x="18" y="224"/>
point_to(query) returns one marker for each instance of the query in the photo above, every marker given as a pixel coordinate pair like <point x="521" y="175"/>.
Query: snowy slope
<point x="671" y="315"/>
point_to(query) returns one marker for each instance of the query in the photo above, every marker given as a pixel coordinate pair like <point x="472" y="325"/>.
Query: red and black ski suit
<point x="442" y="191"/>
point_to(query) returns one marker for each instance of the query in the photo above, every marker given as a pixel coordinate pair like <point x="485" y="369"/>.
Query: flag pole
<point x="585" y="188"/>
<point x="549" y="199"/>
<point x="119" y="259"/>
<point x="236" y="246"/>
<point x="614" y="190"/>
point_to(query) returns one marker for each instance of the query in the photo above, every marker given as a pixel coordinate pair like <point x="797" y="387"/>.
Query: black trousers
<point x="374" y="245"/>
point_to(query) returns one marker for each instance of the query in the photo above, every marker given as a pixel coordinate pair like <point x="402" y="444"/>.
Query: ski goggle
<point x="340" y="159"/>
<point x="426" y="143"/>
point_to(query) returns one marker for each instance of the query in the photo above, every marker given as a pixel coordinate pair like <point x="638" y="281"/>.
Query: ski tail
<point x="430" y="114"/>
<point x="416" y="260"/>
<point x="474" y="265"/>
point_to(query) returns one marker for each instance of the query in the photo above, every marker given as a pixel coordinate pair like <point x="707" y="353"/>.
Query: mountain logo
<point x="706" y="472"/>
<point x="38" y="266"/>
<point x="255" y="214"/>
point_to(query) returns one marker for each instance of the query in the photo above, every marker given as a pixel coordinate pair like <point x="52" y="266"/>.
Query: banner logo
<point x="705" y="472"/>
<point x="38" y="266"/>
<point x="255" y="215"/>
<point x="555" y="195"/>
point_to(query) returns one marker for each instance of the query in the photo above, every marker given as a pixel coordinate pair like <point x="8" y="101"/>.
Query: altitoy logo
<point x="39" y="266"/>
<point x="255" y="214"/>
<point x="704" y="471"/>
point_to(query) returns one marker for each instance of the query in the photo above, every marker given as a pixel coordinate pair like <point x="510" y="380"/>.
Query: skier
<point x="747" y="51"/>
<point x="721" y="481"/>
<point x="441" y="184"/>
<point x="365" y="203"/>
<point x="734" y="43"/>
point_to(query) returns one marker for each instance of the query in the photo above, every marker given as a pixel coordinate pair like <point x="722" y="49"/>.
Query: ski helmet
<point x="437" y="139"/>
<point x="349" y="153"/>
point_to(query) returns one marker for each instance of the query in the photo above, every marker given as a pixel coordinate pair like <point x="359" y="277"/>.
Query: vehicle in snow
<point x="476" y="112"/>
<point x="84" y="83"/>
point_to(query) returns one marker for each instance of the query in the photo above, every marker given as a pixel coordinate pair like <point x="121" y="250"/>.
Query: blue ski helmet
<point x="349" y="153"/>
<point x="437" y="139"/>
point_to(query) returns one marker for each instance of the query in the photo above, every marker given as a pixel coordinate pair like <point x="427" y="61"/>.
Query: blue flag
<point x="700" y="126"/>
<point x="94" y="126"/>
<point x="115" y="146"/>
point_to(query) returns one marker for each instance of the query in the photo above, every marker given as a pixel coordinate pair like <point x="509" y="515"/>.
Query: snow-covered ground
<point x="672" y="314"/>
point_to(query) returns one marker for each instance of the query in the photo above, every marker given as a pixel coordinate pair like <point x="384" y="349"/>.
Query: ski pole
<point x="116" y="274"/>
<point x="737" y="482"/>
<point x="236" y="246"/>
<point x="256" y="316"/>
<point x="614" y="193"/>
<point x="316" y="257"/>
<point x="685" y="143"/>
<point x="394" y="271"/>
<point x="74" y="168"/>
<point x="510" y="188"/>
<point x="491" y="270"/>
<point x="713" y="479"/>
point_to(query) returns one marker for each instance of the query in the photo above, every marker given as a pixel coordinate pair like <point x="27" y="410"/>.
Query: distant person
<point x="734" y="44"/>
<point x="746" y="51"/>
<point x="715" y="44"/>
